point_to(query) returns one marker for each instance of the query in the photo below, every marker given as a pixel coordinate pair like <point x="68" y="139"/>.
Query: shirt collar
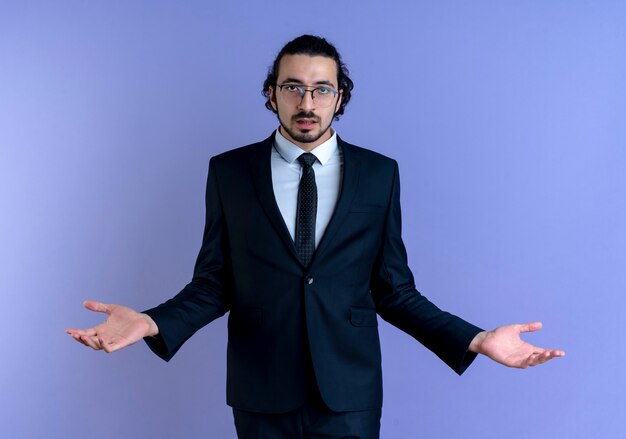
<point x="290" y="152"/>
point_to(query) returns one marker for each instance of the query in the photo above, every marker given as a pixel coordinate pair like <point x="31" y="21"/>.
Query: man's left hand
<point x="505" y="346"/>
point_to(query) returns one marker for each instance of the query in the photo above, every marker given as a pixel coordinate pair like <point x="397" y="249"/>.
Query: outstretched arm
<point x="505" y="346"/>
<point x="122" y="328"/>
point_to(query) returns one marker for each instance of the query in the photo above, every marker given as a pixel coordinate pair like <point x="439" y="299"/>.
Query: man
<point x="302" y="244"/>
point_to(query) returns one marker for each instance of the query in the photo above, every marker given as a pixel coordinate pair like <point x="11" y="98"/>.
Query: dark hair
<point x="313" y="46"/>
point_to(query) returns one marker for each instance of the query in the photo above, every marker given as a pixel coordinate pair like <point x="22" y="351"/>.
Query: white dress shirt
<point x="286" y="173"/>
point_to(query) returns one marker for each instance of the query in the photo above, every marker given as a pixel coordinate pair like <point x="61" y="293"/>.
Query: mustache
<point x="306" y="115"/>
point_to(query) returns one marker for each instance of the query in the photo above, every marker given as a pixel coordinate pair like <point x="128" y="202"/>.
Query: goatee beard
<point x="304" y="137"/>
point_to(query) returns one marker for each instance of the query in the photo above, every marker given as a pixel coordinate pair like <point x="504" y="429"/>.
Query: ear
<point x="273" y="98"/>
<point x="338" y="104"/>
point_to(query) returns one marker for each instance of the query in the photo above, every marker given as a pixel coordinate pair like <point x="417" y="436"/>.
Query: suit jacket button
<point x="309" y="280"/>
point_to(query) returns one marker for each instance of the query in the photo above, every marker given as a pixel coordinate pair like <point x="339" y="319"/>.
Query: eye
<point x="292" y="88"/>
<point x="323" y="90"/>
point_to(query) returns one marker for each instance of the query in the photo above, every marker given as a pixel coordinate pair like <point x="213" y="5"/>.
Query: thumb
<point x="96" y="306"/>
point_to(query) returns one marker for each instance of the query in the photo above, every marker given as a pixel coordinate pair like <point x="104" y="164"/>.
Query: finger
<point x="540" y="358"/>
<point x="78" y="339"/>
<point x="92" y="342"/>
<point x="110" y="346"/>
<point x="530" y="327"/>
<point x="531" y="360"/>
<point x="96" y="306"/>
<point x="553" y="353"/>
<point x="87" y="332"/>
<point x="546" y="355"/>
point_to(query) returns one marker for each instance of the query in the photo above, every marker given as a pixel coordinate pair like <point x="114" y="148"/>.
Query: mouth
<point x="305" y="123"/>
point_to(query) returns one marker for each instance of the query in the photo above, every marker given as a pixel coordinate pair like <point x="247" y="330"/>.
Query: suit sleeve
<point x="206" y="297"/>
<point x="399" y="303"/>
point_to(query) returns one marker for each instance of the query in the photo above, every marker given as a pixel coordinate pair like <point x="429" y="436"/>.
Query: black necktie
<point x="307" y="209"/>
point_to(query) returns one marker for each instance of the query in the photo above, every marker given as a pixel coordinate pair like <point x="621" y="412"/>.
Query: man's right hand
<point x="122" y="327"/>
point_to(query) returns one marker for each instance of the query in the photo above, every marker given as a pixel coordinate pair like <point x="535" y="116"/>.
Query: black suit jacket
<point x="284" y="316"/>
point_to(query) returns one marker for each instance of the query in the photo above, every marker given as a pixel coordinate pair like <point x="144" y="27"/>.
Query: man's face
<point x="304" y="122"/>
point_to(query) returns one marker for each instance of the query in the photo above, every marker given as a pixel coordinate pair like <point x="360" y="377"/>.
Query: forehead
<point x="307" y="69"/>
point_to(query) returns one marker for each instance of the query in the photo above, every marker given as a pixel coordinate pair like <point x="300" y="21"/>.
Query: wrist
<point x="153" y="329"/>
<point x="476" y="343"/>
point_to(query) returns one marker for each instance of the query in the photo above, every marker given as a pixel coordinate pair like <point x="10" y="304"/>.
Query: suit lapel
<point x="349" y="185"/>
<point x="261" y="166"/>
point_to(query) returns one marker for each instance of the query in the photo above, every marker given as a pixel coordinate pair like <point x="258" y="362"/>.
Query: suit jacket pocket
<point x="361" y="316"/>
<point x="244" y="320"/>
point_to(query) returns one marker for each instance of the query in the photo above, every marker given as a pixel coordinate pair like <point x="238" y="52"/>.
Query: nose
<point x="307" y="102"/>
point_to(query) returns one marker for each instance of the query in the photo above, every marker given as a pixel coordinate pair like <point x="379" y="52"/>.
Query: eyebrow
<point x="297" y="81"/>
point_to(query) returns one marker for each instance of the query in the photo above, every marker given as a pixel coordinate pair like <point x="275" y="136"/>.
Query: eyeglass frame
<point x="303" y="89"/>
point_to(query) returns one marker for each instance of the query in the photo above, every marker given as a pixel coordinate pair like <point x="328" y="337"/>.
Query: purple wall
<point x="507" y="119"/>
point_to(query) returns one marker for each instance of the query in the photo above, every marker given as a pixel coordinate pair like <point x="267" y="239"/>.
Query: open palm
<point x="505" y="346"/>
<point x="123" y="326"/>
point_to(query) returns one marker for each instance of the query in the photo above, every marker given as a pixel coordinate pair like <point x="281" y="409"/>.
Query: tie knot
<point x="307" y="159"/>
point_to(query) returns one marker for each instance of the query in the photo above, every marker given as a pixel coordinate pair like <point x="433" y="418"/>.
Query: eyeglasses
<point x="293" y="94"/>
